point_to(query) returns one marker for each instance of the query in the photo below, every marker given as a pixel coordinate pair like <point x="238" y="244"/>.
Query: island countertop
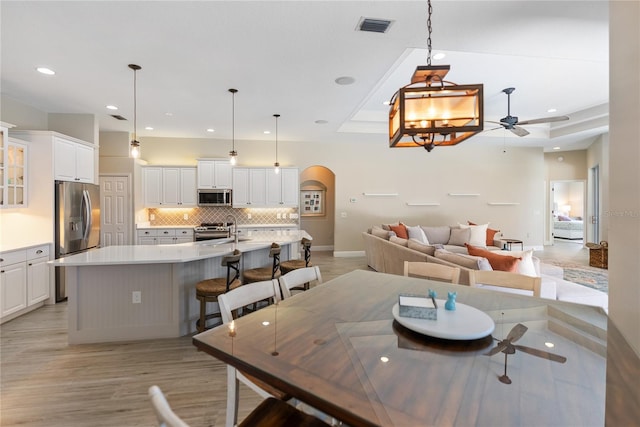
<point x="178" y="253"/>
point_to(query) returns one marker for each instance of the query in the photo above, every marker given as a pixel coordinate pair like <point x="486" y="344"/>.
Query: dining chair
<point x="164" y="413"/>
<point x="505" y="281"/>
<point x="432" y="270"/>
<point x="294" y="264"/>
<point x="299" y="280"/>
<point x="231" y="304"/>
<point x="209" y="290"/>
<point x="264" y="273"/>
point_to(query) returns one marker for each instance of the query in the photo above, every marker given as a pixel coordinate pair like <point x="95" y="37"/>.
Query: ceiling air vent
<point x="374" y="25"/>
<point x="118" y="117"/>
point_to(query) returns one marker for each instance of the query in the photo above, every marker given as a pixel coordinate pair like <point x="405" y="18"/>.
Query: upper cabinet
<point x="72" y="161"/>
<point x="169" y="186"/>
<point x="214" y="173"/>
<point x="13" y="171"/>
<point x="262" y="187"/>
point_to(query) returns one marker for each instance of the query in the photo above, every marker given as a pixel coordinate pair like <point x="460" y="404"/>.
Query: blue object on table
<point x="432" y="294"/>
<point x="451" y="301"/>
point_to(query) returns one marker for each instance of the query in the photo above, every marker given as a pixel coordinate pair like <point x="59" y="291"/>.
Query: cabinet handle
<point x="39" y="251"/>
<point x="1" y="271"/>
<point x="30" y="264"/>
<point x="1" y="259"/>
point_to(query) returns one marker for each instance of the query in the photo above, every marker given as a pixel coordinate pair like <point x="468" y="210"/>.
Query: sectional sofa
<point x="386" y="252"/>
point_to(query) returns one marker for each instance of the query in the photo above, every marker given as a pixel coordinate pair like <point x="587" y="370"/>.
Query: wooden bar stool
<point x="208" y="290"/>
<point x="294" y="264"/>
<point x="265" y="273"/>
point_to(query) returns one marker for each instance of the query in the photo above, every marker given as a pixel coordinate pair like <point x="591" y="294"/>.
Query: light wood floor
<point x="46" y="382"/>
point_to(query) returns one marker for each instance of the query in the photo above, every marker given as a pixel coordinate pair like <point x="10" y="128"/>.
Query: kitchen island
<point x="121" y="293"/>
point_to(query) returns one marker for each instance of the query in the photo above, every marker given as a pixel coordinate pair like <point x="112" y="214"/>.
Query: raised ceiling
<point x="284" y="57"/>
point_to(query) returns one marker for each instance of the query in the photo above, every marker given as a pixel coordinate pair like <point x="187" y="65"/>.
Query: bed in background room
<point x="565" y="227"/>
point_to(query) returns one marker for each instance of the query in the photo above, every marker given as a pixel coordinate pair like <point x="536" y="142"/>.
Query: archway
<point x="317" y="206"/>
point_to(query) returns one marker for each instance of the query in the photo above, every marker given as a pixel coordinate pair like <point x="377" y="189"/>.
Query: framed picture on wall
<point x="313" y="202"/>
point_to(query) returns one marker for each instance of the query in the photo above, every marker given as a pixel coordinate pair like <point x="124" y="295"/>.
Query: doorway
<point x="568" y="211"/>
<point x="318" y="184"/>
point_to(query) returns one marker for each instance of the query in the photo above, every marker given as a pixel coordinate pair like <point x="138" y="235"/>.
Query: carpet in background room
<point x="593" y="277"/>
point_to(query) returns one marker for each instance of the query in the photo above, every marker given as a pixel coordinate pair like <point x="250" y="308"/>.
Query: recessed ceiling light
<point x="168" y="114"/>
<point x="552" y="110"/>
<point x="148" y="128"/>
<point x="321" y="122"/>
<point x="45" y="70"/>
<point x="211" y="130"/>
<point x="111" y="107"/>
<point x="549" y="344"/>
<point x="439" y="55"/>
<point x="556" y="148"/>
<point x="386" y="102"/>
<point x="345" y="80"/>
<point x="267" y="132"/>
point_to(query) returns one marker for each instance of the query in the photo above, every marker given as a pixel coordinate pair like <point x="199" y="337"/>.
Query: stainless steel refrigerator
<point x="77" y="224"/>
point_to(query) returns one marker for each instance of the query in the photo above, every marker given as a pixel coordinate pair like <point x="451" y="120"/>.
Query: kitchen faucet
<point x="235" y="227"/>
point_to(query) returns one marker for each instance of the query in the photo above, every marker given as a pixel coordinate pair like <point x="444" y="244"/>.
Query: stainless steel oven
<point x="211" y="231"/>
<point x="214" y="197"/>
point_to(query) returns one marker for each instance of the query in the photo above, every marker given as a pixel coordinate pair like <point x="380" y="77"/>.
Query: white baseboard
<point x="322" y="248"/>
<point x="348" y="254"/>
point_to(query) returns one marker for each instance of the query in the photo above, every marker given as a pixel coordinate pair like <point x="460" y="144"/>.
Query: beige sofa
<point x="387" y="255"/>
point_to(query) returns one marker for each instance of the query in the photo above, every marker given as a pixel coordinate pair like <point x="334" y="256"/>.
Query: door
<point x="116" y="211"/>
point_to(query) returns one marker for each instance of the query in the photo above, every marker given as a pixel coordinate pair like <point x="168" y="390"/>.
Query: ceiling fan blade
<point x="544" y="120"/>
<point x="516" y="332"/>
<point x="519" y="131"/>
<point x="497" y="349"/>
<point x="542" y="353"/>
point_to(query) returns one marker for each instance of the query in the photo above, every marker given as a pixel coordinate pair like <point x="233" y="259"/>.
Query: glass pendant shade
<point x="134" y="151"/>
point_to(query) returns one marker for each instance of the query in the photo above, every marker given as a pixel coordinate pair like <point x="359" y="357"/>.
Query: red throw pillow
<point x="400" y="230"/>
<point x="491" y="233"/>
<point x="498" y="262"/>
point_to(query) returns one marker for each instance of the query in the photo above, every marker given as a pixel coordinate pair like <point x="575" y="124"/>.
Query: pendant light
<point x="233" y="154"/>
<point x="276" y="165"/>
<point x="431" y="111"/>
<point x="134" y="148"/>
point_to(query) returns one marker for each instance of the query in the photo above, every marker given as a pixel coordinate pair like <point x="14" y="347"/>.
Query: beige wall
<point x="21" y="115"/>
<point x="624" y="184"/>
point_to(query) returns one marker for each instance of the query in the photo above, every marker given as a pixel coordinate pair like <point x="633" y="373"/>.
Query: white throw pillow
<point x="525" y="266"/>
<point x="478" y="234"/>
<point x="416" y="232"/>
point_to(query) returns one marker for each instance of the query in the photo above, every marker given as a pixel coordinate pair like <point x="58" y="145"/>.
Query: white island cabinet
<point x="120" y="293"/>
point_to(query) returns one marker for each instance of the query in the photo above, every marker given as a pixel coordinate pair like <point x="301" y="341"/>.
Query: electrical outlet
<point x="343" y="214"/>
<point x="186" y="216"/>
<point x="136" y="297"/>
<point x="353" y="200"/>
<point x="279" y="215"/>
<point x="152" y="217"/>
<point x="293" y="216"/>
<point x="248" y="216"/>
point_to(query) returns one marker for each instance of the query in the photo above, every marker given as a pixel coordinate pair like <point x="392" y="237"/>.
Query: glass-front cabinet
<point x="13" y="171"/>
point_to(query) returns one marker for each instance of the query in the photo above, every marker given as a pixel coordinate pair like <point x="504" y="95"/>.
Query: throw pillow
<point x="462" y="260"/>
<point x="525" y="266"/>
<point x="386" y="226"/>
<point x="498" y="262"/>
<point x="400" y="230"/>
<point x="491" y="234"/>
<point x="421" y="247"/>
<point x="399" y="241"/>
<point x="459" y="236"/>
<point x="379" y="232"/>
<point x="478" y="234"/>
<point x="438" y="235"/>
<point x="417" y="233"/>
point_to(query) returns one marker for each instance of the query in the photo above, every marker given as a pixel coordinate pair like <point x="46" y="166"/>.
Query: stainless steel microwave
<point x="214" y="197"/>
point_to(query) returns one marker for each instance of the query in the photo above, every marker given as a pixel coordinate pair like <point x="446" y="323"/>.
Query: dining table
<point x="342" y="348"/>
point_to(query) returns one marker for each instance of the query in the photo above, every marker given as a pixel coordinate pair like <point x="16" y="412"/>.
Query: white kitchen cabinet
<point x="169" y="187"/>
<point x="214" y="173"/>
<point x="283" y="187"/>
<point x="249" y="187"/>
<point x="165" y="236"/>
<point x="72" y="161"/>
<point x="25" y="279"/>
<point x="13" y="172"/>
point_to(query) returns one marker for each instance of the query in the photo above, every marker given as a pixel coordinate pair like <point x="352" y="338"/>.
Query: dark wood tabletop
<point x="338" y="348"/>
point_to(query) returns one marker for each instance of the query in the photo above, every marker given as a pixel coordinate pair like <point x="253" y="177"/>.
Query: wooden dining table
<point x="338" y="348"/>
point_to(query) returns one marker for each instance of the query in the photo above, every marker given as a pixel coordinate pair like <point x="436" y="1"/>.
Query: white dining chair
<point x="506" y="282"/>
<point x="432" y="270"/>
<point x="164" y="413"/>
<point x="298" y="278"/>
<point x="233" y="302"/>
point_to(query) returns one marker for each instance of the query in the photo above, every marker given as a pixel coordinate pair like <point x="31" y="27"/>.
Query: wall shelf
<point x="380" y="194"/>
<point x="503" y="203"/>
<point x="423" y="204"/>
<point x="464" y="194"/>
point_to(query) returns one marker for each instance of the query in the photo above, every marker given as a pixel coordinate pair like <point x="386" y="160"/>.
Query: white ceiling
<point x="284" y="57"/>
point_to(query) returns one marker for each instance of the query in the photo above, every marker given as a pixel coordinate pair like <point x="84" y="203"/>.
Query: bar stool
<point x="265" y="273"/>
<point x="208" y="290"/>
<point x="294" y="264"/>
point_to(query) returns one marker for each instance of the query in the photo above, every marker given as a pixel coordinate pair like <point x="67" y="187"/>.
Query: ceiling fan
<point x="511" y="122"/>
<point x="507" y="347"/>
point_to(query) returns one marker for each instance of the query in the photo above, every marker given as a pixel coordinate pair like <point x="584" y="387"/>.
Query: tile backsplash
<point x="196" y="216"/>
